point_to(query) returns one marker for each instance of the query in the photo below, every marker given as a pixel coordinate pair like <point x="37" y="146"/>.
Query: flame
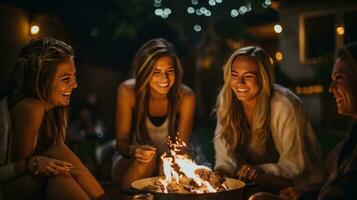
<point x="177" y="158"/>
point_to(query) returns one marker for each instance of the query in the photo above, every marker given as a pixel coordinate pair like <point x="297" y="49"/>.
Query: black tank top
<point x="157" y="120"/>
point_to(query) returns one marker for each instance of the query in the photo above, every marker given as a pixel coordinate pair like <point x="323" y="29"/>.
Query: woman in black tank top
<point x="155" y="94"/>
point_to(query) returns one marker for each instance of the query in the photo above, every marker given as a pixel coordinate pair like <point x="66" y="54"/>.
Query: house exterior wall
<point x="15" y="33"/>
<point x="291" y="45"/>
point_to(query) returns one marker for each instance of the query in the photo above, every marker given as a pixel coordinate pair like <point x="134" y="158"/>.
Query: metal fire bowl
<point x="235" y="191"/>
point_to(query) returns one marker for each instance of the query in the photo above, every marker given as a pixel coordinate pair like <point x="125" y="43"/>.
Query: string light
<point x="340" y="30"/>
<point x="212" y="2"/>
<point x="35" y="29"/>
<point x="278" y="28"/>
<point x="208" y="13"/>
<point x="267" y="2"/>
<point x="242" y="10"/>
<point x="279" y="56"/>
<point x="198" y="12"/>
<point x="197" y="28"/>
<point x="309" y="90"/>
<point x="194" y="2"/>
<point x="205" y="12"/>
<point x="234" y="13"/>
<point x="190" y="10"/>
<point x="167" y="11"/>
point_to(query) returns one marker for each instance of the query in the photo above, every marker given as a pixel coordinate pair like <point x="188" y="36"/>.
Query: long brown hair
<point x="144" y="67"/>
<point x="230" y="113"/>
<point x="33" y="77"/>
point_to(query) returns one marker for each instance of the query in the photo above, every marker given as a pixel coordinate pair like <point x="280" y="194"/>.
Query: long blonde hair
<point x="230" y="112"/>
<point x="33" y="78"/>
<point x="144" y="68"/>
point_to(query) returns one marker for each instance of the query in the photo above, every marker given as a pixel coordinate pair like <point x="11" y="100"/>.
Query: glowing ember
<point x="183" y="175"/>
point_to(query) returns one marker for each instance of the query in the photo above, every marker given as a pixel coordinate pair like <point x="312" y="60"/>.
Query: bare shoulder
<point x="29" y="109"/>
<point x="126" y="91"/>
<point x="127" y="87"/>
<point x="187" y="93"/>
<point x="188" y="96"/>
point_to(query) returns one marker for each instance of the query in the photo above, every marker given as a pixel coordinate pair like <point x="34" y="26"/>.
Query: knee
<point x="263" y="196"/>
<point x="55" y="148"/>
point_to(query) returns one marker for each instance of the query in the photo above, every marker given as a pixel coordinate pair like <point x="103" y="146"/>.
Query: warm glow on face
<point x="340" y="30"/>
<point x="35" y="29"/>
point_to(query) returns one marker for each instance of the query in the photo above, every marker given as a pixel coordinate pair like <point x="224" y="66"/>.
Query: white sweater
<point x="294" y="139"/>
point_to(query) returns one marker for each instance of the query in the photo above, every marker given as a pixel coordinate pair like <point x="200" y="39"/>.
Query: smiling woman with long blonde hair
<point x="262" y="131"/>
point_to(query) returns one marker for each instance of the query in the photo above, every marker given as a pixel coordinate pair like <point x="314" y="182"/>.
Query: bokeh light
<point x="340" y="30"/>
<point x="197" y="28"/>
<point x="190" y="10"/>
<point x="278" y="28"/>
<point x="234" y="13"/>
<point x="278" y="56"/>
<point x="35" y="29"/>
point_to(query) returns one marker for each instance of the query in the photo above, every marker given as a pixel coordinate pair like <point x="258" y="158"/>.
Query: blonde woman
<point x="38" y="163"/>
<point x="262" y="132"/>
<point x="151" y="106"/>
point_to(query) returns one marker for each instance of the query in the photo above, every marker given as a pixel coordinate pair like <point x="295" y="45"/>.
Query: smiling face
<point x="163" y="76"/>
<point x="344" y="87"/>
<point x="63" y="83"/>
<point x="244" y="79"/>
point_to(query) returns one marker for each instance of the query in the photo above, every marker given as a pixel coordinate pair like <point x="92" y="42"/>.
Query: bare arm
<point x="27" y="118"/>
<point x="187" y="110"/>
<point x="123" y="116"/>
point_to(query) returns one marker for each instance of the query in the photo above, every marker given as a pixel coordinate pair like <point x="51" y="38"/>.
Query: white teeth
<point x="242" y="90"/>
<point x="163" y="84"/>
<point x="67" y="93"/>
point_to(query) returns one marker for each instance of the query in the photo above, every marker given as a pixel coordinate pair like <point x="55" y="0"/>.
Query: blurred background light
<point x="208" y="13"/>
<point x="267" y="2"/>
<point x="242" y="10"/>
<point x="234" y="13"/>
<point x="212" y="2"/>
<point x="190" y="10"/>
<point x="159" y="12"/>
<point x="198" y="12"/>
<point x="278" y="28"/>
<point x="278" y="56"/>
<point x="197" y="28"/>
<point x="167" y="11"/>
<point x="35" y="29"/>
<point x="340" y="30"/>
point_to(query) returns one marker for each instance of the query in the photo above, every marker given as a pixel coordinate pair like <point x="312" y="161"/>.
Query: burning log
<point x="183" y="175"/>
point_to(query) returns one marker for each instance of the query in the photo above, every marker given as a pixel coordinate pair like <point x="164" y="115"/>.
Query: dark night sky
<point x="119" y="27"/>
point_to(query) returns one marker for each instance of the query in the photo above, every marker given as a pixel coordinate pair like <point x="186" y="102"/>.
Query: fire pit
<point x="234" y="191"/>
<point x="184" y="179"/>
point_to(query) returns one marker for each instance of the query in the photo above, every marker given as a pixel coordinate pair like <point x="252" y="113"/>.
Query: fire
<point x="178" y="168"/>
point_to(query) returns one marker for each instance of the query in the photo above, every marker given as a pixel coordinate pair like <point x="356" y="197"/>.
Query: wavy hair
<point x="349" y="54"/>
<point x="33" y="77"/>
<point x="144" y="67"/>
<point x="230" y="113"/>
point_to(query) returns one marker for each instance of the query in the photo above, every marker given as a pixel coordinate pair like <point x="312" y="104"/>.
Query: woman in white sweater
<point x="262" y="131"/>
